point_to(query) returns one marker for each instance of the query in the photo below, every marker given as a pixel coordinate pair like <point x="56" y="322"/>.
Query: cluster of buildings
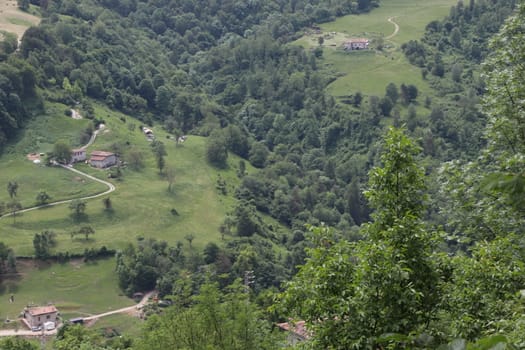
<point x="98" y="159"/>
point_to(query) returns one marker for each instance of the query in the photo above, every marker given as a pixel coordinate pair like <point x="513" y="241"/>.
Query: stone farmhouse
<point x="101" y="159"/>
<point x="36" y="316"/>
<point x="78" y="155"/>
<point x="356" y="44"/>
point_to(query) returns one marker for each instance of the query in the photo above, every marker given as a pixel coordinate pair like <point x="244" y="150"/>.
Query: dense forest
<point x="403" y="230"/>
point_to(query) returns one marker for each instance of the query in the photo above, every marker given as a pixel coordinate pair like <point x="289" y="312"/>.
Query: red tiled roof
<point x="101" y="154"/>
<point x="298" y="328"/>
<point x="42" y="310"/>
<point x="356" y="40"/>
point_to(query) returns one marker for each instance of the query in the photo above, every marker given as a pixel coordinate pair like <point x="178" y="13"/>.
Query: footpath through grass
<point x="76" y="288"/>
<point x="142" y="205"/>
<point x="370" y="71"/>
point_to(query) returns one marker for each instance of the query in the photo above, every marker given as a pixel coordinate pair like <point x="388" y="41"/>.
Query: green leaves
<point x="352" y="294"/>
<point x="396" y="188"/>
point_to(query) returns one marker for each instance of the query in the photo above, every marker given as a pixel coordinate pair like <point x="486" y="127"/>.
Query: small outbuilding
<point x="37" y="316"/>
<point x="78" y="155"/>
<point x="101" y="159"/>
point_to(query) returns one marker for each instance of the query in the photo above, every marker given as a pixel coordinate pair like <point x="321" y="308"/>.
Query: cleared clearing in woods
<point x="371" y="70"/>
<point x="13" y="20"/>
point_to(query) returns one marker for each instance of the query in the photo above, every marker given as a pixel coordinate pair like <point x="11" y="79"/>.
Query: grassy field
<point x="370" y="72"/>
<point x="13" y="20"/>
<point x="123" y="324"/>
<point x="39" y="137"/>
<point x="76" y="288"/>
<point x="141" y="204"/>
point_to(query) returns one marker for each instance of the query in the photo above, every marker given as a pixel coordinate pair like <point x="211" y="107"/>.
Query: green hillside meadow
<point x="141" y="203"/>
<point x="370" y="71"/>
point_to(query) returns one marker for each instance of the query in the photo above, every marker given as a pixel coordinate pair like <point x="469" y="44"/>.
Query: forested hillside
<point x="404" y="213"/>
<point x="198" y="68"/>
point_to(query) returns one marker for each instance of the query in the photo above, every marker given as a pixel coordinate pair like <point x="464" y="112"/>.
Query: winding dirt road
<point x="110" y="186"/>
<point x="29" y="333"/>
<point x="123" y="310"/>
<point x="396" y="28"/>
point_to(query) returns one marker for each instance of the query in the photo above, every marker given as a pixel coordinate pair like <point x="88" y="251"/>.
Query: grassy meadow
<point x="370" y="72"/>
<point x="77" y="289"/>
<point x="13" y="20"/>
<point x="141" y="203"/>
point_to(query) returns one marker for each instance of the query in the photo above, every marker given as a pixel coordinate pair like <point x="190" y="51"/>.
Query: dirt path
<point x="123" y="310"/>
<point x="110" y="186"/>
<point x="91" y="139"/>
<point x="29" y="333"/>
<point x="75" y="114"/>
<point x="110" y="189"/>
<point x="396" y="28"/>
<point x="25" y="333"/>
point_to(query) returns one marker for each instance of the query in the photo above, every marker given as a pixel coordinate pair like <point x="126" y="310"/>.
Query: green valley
<point x="199" y="174"/>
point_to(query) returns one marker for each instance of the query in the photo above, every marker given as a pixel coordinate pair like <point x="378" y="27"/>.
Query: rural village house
<point x="356" y="44"/>
<point x="296" y="332"/>
<point x="78" y="155"/>
<point x="101" y="159"/>
<point x="38" y="315"/>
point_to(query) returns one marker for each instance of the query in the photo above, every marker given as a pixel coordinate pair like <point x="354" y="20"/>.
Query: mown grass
<point x="142" y="204"/>
<point x="76" y="288"/>
<point x="20" y="22"/>
<point x="370" y="72"/>
<point x="123" y="324"/>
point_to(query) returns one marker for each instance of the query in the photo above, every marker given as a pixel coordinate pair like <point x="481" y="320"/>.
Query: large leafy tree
<point x="485" y="202"/>
<point x="505" y="105"/>
<point x="353" y="293"/>
<point x="485" y="198"/>
<point x="215" y="320"/>
<point x="62" y="152"/>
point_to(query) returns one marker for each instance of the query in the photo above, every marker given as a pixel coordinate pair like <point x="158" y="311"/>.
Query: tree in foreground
<point x="484" y="203"/>
<point x="215" y="320"/>
<point x="17" y="343"/>
<point x="351" y="294"/>
<point x="62" y="152"/>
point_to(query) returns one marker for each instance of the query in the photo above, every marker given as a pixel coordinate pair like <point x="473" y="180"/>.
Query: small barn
<point x="78" y="155"/>
<point x="356" y="44"/>
<point x="36" y="316"/>
<point x="101" y="159"/>
<point x="296" y="331"/>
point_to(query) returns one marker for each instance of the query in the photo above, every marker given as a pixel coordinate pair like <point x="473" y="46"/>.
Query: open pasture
<point x="13" y="20"/>
<point x="141" y="205"/>
<point x="370" y="72"/>
<point x="76" y="288"/>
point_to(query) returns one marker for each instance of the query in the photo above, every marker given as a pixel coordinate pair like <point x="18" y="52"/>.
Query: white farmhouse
<point x="36" y="316"/>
